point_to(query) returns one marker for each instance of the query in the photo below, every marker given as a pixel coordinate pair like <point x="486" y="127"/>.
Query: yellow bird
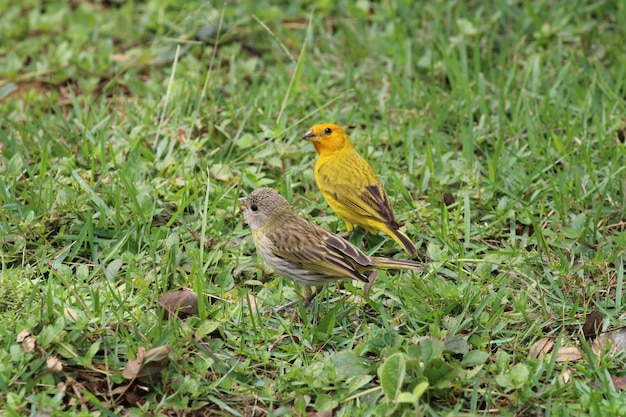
<point x="351" y="187"/>
<point x="303" y="251"/>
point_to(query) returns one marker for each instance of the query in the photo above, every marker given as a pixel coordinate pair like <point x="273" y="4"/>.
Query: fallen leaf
<point x="54" y="364"/>
<point x="181" y="302"/>
<point x="133" y="366"/>
<point x="158" y="353"/>
<point x="541" y="348"/>
<point x="619" y="339"/>
<point x="448" y="198"/>
<point x="592" y="325"/>
<point x="619" y="382"/>
<point x="568" y="354"/>
<point x="564" y="377"/>
<point x="615" y="341"/>
<point x="599" y="345"/>
<point x="327" y="413"/>
<point x="70" y="313"/>
<point x="45" y="411"/>
<point x="23" y="335"/>
<point x="150" y="373"/>
<point x="252" y="303"/>
<point x="147" y="365"/>
<point x="271" y="346"/>
<point x="27" y="341"/>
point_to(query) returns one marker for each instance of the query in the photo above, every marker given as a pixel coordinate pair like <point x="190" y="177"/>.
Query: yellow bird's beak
<point x="242" y="200"/>
<point x="309" y="135"/>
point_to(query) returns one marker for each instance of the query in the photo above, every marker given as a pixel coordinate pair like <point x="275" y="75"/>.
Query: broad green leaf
<point x="457" y="344"/>
<point x="349" y="364"/>
<point x="519" y="375"/>
<point x="474" y="357"/>
<point x="324" y="402"/>
<point x="391" y="375"/>
<point x="439" y="373"/>
<point x="420" y="389"/>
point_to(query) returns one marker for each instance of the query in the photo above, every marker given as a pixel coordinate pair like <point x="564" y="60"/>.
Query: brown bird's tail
<point x="392" y="263"/>
<point x="403" y="241"/>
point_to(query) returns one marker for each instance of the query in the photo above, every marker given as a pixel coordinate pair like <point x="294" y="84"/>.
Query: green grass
<point x="128" y="130"/>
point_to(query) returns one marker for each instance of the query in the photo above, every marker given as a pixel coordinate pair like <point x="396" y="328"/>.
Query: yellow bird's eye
<point x="327" y="131"/>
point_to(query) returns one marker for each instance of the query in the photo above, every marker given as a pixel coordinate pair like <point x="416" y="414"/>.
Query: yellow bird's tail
<point x="403" y="241"/>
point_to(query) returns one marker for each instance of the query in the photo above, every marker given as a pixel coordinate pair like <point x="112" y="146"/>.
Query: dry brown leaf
<point x="147" y="366"/>
<point x="614" y="341"/>
<point x="158" y="353"/>
<point x="252" y="303"/>
<point x="181" y="302"/>
<point x="26" y="339"/>
<point x="151" y="373"/>
<point x="23" y="335"/>
<point x="541" y="348"/>
<point x="564" y="377"/>
<point x="70" y="313"/>
<point x="120" y="390"/>
<point x="133" y="366"/>
<point x="599" y="345"/>
<point x="45" y="411"/>
<point x="619" y="382"/>
<point x="271" y="346"/>
<point x="29" y="344"/>
<point x="592" y="325"/>
<point x="618" y="338"/>
<point x="54" y="364"/>
<point x="568" y="354"/>
<point x="327" y="413"/>
<point x="123" y="58"/>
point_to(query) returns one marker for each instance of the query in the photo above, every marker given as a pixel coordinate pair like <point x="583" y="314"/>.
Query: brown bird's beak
<point x="309" y="135"/>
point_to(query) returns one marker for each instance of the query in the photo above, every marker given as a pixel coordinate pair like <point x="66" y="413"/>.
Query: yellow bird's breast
<point x="345" y="180"/>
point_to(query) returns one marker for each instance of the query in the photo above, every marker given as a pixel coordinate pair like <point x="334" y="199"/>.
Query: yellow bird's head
<point x="328" y="138"/>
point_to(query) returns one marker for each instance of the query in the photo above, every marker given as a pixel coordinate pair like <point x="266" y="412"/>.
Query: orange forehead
<point x="321" y="128"/>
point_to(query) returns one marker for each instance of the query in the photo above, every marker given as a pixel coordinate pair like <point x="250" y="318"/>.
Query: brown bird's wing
<point x="310" y="247"/>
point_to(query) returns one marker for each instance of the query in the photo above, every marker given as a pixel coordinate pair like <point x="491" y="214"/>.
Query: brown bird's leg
<point x="286" y="306"/>
<point x="363" y="242"/>
<point x="371" y="279"/>
<point x="309" y="295"/>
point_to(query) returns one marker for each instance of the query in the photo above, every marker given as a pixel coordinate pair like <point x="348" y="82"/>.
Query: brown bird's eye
<point x="327" y="131"/>
<point x="254" y="207"/>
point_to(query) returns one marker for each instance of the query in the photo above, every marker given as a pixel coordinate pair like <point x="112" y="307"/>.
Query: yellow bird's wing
<point x="353" y="184"/>
<point x="369" y="202"/>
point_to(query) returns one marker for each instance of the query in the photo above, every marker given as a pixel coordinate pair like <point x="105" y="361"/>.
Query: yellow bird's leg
<point x="349" y="230"/>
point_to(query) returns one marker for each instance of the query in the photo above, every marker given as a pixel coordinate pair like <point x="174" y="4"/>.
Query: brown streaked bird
<point x="303" y="251"/>
<point x="351" y="187"/>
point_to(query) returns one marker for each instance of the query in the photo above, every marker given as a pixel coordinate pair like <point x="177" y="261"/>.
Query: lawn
<point x="129" y="129"/>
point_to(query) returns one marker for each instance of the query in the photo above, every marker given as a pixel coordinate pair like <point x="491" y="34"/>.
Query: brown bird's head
<point x="327" y="138"/>
<point x="262" y="205"/>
